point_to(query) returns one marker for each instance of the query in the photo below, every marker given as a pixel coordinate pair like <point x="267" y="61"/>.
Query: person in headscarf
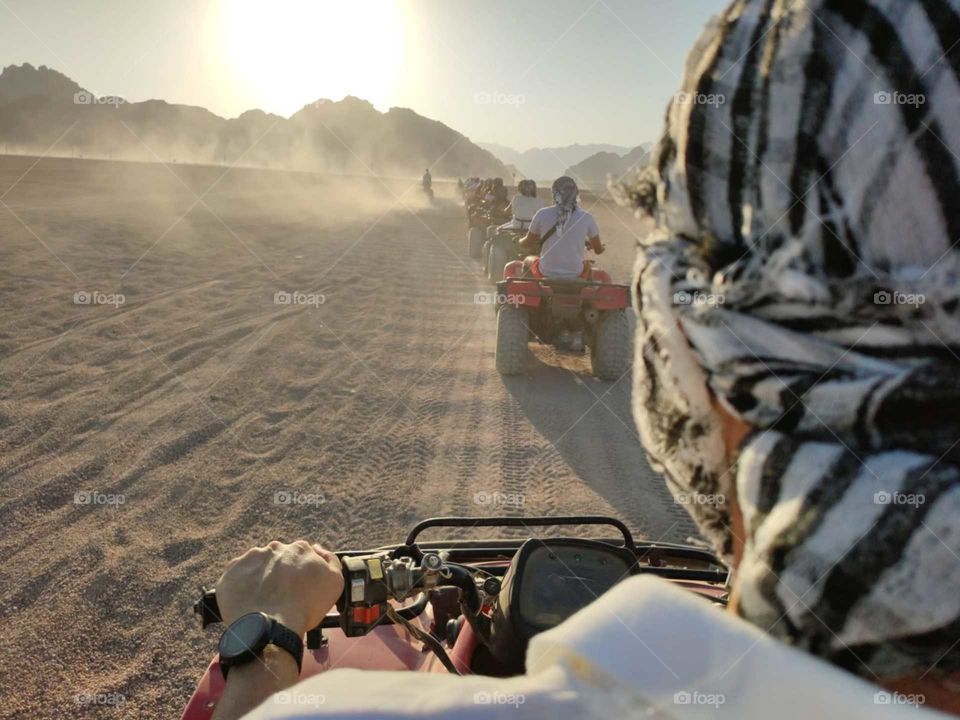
<point x="797" y="368"/>
<point x="561" y="232"/>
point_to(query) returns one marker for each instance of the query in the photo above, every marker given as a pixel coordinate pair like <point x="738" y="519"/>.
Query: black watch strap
<point x="284" y="637"/>
<point x="281" y="636"/>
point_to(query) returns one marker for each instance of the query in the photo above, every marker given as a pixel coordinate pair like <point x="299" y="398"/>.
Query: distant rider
<point x="427" y="181"/>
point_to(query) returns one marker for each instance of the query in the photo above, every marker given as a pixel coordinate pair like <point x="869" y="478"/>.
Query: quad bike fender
<point x="606" y="297"/>
<point x="520" y="291"/>
<point x="513" y="269"/>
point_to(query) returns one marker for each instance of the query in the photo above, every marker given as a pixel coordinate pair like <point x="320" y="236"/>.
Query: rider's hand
<point x="297" y="584"/>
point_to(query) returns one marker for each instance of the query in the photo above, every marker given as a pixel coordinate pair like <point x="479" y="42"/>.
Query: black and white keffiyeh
<point x="565" y="194"/>
<point x="805" y="275"/>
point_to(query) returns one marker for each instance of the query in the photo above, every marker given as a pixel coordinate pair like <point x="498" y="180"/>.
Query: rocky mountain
<point x="595" y="170"/>
<point x="38" y="106"/>
<point x="549" y="163"/>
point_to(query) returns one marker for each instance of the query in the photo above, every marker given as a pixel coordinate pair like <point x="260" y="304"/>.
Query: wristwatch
<point x="246" y="637"/>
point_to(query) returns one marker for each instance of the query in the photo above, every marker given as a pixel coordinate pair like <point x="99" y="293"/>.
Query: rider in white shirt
<point x="570" y="228"/>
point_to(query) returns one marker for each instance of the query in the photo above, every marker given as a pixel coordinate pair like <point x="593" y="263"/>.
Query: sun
<point x="282" y="54"/>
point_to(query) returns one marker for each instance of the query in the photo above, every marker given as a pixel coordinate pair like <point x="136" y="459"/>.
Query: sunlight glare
<point x="283" y="54"/>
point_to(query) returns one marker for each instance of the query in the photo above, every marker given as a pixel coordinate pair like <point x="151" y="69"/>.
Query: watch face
<point x="246" y="636"/>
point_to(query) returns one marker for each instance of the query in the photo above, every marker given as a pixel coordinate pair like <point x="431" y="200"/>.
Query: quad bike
<point x="536" y="308"/>
<point x="500" y="248"/>
<point x="428" y="191"/>
<point x="479" y="218"/>
<point x="454" y="606"/>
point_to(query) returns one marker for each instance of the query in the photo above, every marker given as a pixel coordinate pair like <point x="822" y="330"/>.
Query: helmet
<point x="528" y="188"/>
<point x="498" y="182"/>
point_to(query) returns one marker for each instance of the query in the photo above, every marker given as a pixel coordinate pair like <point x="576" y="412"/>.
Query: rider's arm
<point x="530" y="241"/>
<point x="593" y="235"/>
<point x="534" y="237"/>
<point x="296" y="584"/>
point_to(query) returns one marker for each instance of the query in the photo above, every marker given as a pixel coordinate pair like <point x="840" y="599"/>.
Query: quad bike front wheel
<point x="513" y="336"/>
<point x="485" y="253"/>
<point x="475" y="240"/>
<point x="610" y="351"/>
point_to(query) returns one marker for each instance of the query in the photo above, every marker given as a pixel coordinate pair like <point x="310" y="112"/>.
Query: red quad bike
<point x="470" y="606"/>
<point x="537" y="308"/>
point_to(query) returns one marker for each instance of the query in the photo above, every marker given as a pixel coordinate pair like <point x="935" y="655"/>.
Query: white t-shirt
<point x="524" y="208"/>
<point x="646" y="649"/>
<point x="562" y="254"/>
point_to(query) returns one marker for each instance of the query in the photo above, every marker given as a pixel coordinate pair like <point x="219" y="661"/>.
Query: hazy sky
<point x="517" y="72"/>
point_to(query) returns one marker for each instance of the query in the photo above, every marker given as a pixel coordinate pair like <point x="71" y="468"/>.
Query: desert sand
<point x="143" y="443"/>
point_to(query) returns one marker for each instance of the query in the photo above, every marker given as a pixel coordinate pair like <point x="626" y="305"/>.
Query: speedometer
<point x="559" y="580"/>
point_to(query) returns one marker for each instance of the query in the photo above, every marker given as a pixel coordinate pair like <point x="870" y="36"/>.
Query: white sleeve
<point x="373" y="695"/>
<point x="537" y="224"/>
<point x="593" y="230"/>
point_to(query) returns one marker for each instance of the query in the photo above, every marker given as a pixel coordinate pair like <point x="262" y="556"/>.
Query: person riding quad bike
<point x="557" y="238"/>
<point x="497" y="197"/>
<point x="559" y="233"/>
<point x="502" y="240"/>
<point x="426" y="183"/>
<point x="524" y="205"/>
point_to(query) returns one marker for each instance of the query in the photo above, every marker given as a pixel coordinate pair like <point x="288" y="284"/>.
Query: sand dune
<point x="144" y="443"/>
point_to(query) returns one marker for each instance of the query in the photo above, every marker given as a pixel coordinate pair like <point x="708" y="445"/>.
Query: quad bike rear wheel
<point x="610" y="350"/>
<point x="475" y="240"/>
<point x="513" y="337"/>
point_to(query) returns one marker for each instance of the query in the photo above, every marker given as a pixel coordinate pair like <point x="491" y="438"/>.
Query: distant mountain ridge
<point x="595" y="170"/>
<point x="549" y="163"/>
<point x="38" y="106"/>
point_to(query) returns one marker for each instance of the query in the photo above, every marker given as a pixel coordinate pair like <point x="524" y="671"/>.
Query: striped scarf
<point x="804" y="273"/>
<point x="565" y="194"/>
